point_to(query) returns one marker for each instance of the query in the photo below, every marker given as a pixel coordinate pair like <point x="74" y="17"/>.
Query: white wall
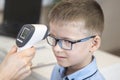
<point x="111" y="35"/>
<point x="2" y="4"/>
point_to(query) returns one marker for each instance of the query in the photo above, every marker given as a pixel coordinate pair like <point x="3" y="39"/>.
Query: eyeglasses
<point x="65" y="44"/>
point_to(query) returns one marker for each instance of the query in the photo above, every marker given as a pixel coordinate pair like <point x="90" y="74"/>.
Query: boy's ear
<point x="95" y="43"/>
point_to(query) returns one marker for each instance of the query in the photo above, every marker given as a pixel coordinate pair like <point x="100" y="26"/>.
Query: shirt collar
<point x="87" y="71"/>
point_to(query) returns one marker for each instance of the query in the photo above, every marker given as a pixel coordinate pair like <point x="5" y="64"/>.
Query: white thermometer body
<point x="31" y="34"/>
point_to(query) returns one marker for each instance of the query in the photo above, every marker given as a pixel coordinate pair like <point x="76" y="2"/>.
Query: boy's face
<point x="79" y="55"/>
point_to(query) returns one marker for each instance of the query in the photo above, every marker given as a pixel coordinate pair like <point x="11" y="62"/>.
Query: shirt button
<point x="66" y="78"/>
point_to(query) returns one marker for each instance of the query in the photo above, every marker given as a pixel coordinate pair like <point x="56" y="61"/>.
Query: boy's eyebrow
<point x="65" y="38"/>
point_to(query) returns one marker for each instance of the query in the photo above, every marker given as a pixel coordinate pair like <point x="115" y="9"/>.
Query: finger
<point x="23" y="71"/>
<point x="27" y="60"/>
<point x="29" y="64"/>
<point x="24" y="61"/>
<point x="12" y="51"/>
<point x="27" y="52"/>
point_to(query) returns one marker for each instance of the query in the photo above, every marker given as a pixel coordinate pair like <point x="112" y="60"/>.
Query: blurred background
<point x="15" y="13"/>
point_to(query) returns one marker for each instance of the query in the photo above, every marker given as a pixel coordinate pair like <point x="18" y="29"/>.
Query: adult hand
<point x="16" y="65"/>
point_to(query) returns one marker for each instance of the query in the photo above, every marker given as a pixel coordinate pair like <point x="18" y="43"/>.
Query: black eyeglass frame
<point x="71" y="42"/>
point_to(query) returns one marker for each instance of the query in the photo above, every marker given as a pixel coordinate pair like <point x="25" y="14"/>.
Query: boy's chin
<point x="63" y="64"/>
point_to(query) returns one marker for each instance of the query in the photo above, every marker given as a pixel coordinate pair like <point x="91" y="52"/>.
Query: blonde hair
<point x="77" y="10"/>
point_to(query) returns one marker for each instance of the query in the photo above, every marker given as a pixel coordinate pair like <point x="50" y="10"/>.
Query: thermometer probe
<point x="30" y="34"/>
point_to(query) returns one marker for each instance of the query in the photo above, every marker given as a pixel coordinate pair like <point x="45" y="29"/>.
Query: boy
<point x="76" y="27"/>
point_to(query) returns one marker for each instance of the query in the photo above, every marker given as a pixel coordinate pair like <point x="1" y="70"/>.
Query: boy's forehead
<point x="76" y="24"/>
<point x="67" y="28"/>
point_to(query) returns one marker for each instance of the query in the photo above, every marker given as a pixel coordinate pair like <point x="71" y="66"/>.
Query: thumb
<point x="13" y="50"/>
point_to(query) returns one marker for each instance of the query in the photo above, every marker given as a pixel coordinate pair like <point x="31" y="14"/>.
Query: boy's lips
<point x="60" y="57"/>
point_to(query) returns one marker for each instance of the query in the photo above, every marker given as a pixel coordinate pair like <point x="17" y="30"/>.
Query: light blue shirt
<point x="90" y="72"/>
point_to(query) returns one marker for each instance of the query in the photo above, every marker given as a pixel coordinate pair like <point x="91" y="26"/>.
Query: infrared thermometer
<point x="30" y="34"/>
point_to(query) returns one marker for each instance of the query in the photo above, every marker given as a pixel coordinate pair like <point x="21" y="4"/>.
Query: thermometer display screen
<point x="24" y="33"/>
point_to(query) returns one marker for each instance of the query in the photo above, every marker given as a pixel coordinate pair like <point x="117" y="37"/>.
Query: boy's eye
<point x="65" y="42"/>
